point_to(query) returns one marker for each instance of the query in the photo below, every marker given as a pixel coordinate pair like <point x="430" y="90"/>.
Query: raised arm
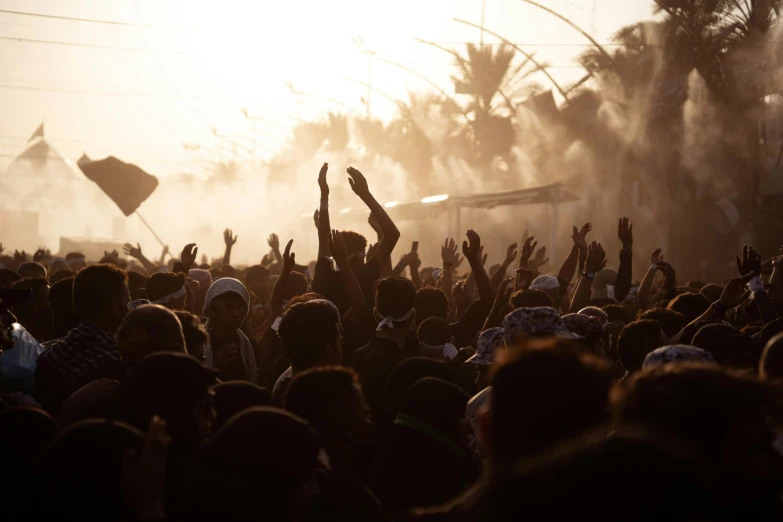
<point x="750" y="264"/>
<point x="135" y="253"/>
<point x="324" y="225"/>
<point x="274" y="244"/>
<point x="449" y="256"/>
<point x="186" y="258"/>
<point x="575" y="260"/>
<point x="278" y="292"/>
<point x="776" y="279"/>
<point x="649" y="277"/>
<point x="495" y="317"/>
<point x="511" y="256"/>
<point x="596" y="260"/>
<point x="352" y="287"/>
<point x="390" y="233"/>
<point x="230" y="240"/>
<point x="471" y="249"/>
<point x="624" y="272"/>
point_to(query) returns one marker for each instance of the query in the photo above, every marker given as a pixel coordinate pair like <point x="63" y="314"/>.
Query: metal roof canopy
<point x="552" y="194"/>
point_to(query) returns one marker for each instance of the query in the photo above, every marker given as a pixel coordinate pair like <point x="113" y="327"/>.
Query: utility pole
<point x="359" y="43"/>
<point x="483" y="12"/>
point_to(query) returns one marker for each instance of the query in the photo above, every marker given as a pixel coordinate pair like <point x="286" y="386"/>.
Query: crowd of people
<point x="357" y="389"/>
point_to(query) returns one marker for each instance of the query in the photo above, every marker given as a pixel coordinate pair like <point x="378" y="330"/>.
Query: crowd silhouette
<point x="356" y="388"/>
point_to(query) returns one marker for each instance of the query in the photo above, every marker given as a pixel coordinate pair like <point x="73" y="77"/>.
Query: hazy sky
<point x="220" y="56"/>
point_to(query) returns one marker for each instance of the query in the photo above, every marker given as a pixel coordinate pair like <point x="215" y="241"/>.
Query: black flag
<point x="126" y="184"/>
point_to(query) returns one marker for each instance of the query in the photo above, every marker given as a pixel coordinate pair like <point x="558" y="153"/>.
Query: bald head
<point x="149" y="329"/>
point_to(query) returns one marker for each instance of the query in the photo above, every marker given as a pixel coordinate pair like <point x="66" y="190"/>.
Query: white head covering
<point x="218" y="288"/>
<point x="224" y="286"/>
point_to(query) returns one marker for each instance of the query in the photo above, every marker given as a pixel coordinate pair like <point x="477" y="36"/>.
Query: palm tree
<point x="484" y="72"/>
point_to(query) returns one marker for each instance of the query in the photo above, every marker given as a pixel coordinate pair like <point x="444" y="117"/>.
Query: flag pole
<point x="149" y="227"/>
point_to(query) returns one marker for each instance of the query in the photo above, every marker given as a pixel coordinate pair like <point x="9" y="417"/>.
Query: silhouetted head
<point x="572" y="396"/>
<point x="31" y="269"/>
<point x="101" y="296"/>
<point x="690" y="305"/>
<point x="531" y="299"/>
<point x="196" y="337"/>
<point x="167" y="289"/>
<point x="728" y="346"/>
<point x="312" y="334"/>
<point x="35" y="314"/>
<point x="330" y="398"/>
<point x="671" y="322"/>
<point x="395" y="298"/>
<point x="431" y="302"/>
<point x="61" y="302"/>
<point x="636" y="340"/>
<point x="149" y="329"/>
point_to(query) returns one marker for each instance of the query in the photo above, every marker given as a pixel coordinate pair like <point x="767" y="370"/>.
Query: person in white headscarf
<point x="229" y="350"/>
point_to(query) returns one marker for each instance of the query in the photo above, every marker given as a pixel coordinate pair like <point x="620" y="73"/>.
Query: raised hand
<point x="228" y="238"/>
<point x="165" y="251"/>
<point x="528" y="247"/>
<point x="750" y="262"/>
<point x="414" y="261"/>
<point x="2" y="249"/>
<point x="130" y="250"/>
<point x="322" y="182"/>
<point x="656" y="256"/>
<point x="504" y="292"/>
<point x="225" y="355"/>
<point x="448" y="253"/>
<point x="20" y="257"/>
<point x="188" y="255"/>
<point x="274" y="242"/>
<point x="39" y="255"/>
<point x="580" y="236"/>
<point x="316" y="218"/>
<point x="471" y="248"/>
<point x="358" y="183"/>
<point x="669" y="275"/>
<point x="625" y="233"/>
<point x="540" y="259"/>
<point x="596" y="258"/>
<point x="511" y="254"/>
<point x="460" y="295"/>
<point x="337" y="248"/>
<point x="289" y="258"/>
<point x="735" y="291"/>
<point x="371" y="251"/>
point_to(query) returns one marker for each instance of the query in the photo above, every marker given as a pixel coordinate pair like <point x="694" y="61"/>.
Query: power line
<point x="98" y="46"/>
<point x="93" y="21"/>
<point x="105" y="93"/>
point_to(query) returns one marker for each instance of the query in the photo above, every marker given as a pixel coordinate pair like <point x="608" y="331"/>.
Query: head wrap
<point x="448" y="350"/>
<point x="594" y="311"/>
<point x="203" y="277"/>
<point x="388" y="321"/>
<point x="676" y="353"/>
<point x="603" y="279"/>
<point x="545" y="283"/>
<point x="220" y="287"/>
<point x="583" y="325"/>
<point x="169" y="297"/>
<point x="489" y="341"/>
<point x="541" y="321"/>
<point x="223" y="286"/>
